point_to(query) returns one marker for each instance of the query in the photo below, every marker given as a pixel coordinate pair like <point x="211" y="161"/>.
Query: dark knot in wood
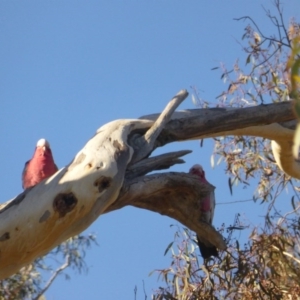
<point x="103" y="183"/>
<point x="64" y="203"/>
<point x="121" y="150"/>
<point x="5" y="236"/>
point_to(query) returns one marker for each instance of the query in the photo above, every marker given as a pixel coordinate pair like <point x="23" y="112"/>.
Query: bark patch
<point x="103" y="183"/>
<point x="17" y="200"/>
<point x="121" y="149"/>
<point x="5" y="236"/>
<point x="45" y="216"/>
<point x="64" y="203"/>
<point x="117" y="144"/>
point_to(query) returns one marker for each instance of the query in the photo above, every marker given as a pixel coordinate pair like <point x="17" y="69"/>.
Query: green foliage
<point x="293" y="64"/>
<point x="267" y="266"/>
<point x="263" y="78"/>
<point x="30" y="283"/>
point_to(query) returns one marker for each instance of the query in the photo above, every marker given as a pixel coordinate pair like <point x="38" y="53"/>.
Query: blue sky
<point x="67" y="67"/>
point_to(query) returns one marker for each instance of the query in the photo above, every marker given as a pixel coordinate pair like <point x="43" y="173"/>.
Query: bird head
<point x="43" y="147"/>
<point x="197" y="170"/>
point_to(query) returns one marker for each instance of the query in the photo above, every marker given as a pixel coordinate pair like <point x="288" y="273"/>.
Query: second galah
<point x="207" y="207"/>
<point x="40" y="167"/>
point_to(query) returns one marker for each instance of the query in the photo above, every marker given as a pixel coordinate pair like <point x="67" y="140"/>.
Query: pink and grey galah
<point x="40" y="167"/>
<point x="207" y="207"/>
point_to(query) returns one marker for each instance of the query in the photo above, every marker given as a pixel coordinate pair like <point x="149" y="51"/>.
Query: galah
<point x="207" y="207"/>
<point x="40" y="167"/>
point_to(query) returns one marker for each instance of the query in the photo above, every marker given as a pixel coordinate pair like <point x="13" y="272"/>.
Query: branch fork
<point x="111" y="170"/>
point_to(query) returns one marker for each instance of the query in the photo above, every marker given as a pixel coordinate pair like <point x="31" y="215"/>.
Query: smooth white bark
<point x="110" y="173"/>
<point x="68" y="202"/>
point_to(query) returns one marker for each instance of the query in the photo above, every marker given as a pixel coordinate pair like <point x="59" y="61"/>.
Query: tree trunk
<point x="111" y="170"/>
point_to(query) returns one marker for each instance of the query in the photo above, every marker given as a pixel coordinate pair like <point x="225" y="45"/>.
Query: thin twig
<point x="59" y="270"/>
<point x="277" y="3"/>
<point x="287" y="214"/>
<point x="144" y="290"/>
<point x="262" y="35"/>
<point x="232" y="202"/>
<point x="295" y="191"/>
<point x="291" y="256"/>
<point x="135" y="292"/>
<point x="287" y="254"/>
<point x="263" y="62"/>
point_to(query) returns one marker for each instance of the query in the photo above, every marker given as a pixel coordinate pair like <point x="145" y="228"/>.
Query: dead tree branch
<point x="111" y="170"/>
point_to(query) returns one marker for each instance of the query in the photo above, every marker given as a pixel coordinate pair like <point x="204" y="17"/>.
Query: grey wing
<point x="212" y="205"/>
<point x="24" y="172"/>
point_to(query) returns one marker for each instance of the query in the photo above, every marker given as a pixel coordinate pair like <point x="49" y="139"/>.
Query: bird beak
<point x="42" y="150"/>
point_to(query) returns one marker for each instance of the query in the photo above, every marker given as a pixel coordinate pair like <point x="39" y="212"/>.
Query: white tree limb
<point x="69" y="201"/>
<point x="173" y="194"/>
<point x="273" y="121"/>
<point x="106" y="175"/>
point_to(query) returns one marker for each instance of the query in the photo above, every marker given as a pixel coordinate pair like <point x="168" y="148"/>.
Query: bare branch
<point x="160" y="162"/>
<point x="260" y="32"/>
<point x="146" y="142"/>
<point x="55" y="274"/>
<point x="102" y="178"/>
<point x="177" y="195"/>
<point x="212" y="122"/>
<point x="263" y="62"/>
<point x="280" y="11"/>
